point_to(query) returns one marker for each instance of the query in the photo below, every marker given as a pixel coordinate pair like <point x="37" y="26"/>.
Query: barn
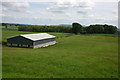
<point x="32" y="40"/>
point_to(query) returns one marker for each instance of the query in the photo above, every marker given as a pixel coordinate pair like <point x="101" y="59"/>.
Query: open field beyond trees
<point x="74" y="56"/>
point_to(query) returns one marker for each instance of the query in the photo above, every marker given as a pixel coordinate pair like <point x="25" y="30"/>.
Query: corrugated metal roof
<point x="38" y="36"/>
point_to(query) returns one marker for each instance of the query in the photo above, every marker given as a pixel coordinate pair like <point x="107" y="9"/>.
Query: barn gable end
<point x="20" y="40"/>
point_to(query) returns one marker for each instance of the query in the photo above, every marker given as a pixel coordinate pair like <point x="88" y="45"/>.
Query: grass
<point x="74" y="56"/>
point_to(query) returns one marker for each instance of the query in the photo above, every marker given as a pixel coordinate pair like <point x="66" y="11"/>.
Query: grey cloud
<point x="76" y="5"/>
<point x="82" y="12"/>
<point x="15" y="6"/>
<point x="55" y="11"/>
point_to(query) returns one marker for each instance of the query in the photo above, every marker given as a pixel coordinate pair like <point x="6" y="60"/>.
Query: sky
<point x="52" y="12"/>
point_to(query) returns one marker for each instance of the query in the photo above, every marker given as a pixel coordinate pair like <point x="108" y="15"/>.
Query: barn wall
<point x="44" y="44"/>
<point x="43" y="41"/>
<point x="20" y="40"/>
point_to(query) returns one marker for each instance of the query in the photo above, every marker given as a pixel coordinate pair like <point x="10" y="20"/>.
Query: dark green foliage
<point x="3" y="24"/>
<point x="109" y="29"/>
<point x="95" y="29"/>
<point x="76" y="28"/>
<point x="100" y="29"/>
<point x="83" y="30"/>
<point x="45" y="29"/>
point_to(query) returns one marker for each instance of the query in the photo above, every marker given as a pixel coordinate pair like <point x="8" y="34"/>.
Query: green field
<point x="74" y="56"/>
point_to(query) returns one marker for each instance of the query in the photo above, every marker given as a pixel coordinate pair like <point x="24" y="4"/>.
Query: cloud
<point x="15" y="6"/>
<point x="59" y="11"/>
<point x="82" y="12"/>
<point x="114" y="12"/>
<point x="62" y="6"/>
<point x="55" y="0"/>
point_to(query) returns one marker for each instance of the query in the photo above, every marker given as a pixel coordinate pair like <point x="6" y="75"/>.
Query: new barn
<point x="32" y="40"/>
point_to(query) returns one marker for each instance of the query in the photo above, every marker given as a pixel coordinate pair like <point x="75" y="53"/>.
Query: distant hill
<point x="65" y="25"/>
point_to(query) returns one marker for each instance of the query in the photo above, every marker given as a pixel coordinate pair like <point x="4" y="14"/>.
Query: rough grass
<point x="75" y="56"/>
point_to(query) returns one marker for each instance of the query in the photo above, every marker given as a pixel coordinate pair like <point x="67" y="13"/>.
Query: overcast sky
<point x="85" y="12"/>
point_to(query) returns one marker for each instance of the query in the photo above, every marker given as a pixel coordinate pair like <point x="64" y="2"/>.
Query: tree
<point x="109" y="29"/>
<point x="4" y="24"/>
<point x="83" y="30"/>
<point x="76" y="28"/>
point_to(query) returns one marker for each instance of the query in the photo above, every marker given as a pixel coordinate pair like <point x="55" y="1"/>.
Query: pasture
<point x="74" y="56"/>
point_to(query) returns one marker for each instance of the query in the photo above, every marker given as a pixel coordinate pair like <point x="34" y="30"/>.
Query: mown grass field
<point x="74" y="56"/>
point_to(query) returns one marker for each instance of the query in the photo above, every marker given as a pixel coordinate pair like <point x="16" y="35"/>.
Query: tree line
<point x="93" y="29"/>
<point x="45" y="29"/>
<point x="76" y="28"/>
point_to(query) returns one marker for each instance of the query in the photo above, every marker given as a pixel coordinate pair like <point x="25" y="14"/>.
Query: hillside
<point x="75" y="56"/>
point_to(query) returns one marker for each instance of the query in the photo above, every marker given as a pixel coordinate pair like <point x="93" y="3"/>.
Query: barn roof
<point x="37" y="36"/>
